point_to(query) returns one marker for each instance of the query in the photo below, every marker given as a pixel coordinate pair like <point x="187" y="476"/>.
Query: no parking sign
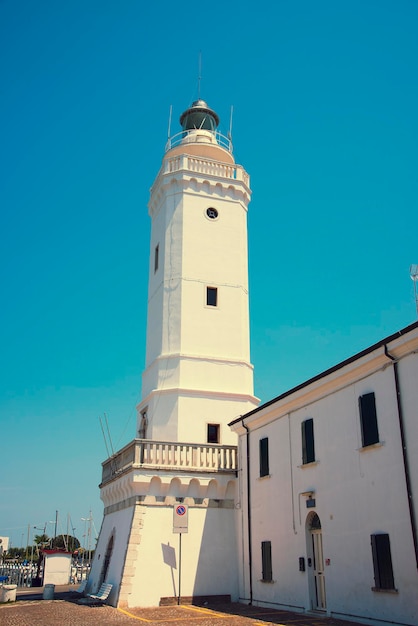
<point x="180" y="518"/>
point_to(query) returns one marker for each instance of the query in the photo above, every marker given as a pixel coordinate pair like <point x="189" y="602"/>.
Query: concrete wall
<point x="145" y="560"/>
<point x="208" y="555"/>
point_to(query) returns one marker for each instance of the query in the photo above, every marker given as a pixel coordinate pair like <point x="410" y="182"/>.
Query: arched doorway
<point x="106" y="560"/>
<point x="316" y="577"/>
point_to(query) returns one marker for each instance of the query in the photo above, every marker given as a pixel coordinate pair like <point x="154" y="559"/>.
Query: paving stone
<point x="31" y="610"/>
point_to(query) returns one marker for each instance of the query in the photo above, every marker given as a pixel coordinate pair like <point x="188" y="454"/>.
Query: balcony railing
<point x="205" y="166"/>
<point x="198" y="135"/>
<point x="168" y="455"/>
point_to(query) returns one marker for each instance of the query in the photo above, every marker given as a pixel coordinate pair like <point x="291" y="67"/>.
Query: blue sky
<point x="325" y="98"/>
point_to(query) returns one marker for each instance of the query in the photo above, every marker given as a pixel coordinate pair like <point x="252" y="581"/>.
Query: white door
<point x="319" y="601"/>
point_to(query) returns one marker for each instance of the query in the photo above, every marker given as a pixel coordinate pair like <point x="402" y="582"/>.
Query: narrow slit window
<point x="211" y="296"/>
<point x="382" y="562"/>
<point x="264" y="457"/>
<point x="142" y="433"/>
<point x="368" y="419"/>
<point x="156" y="257"/>
<point x="267" y="572"/>
<point x="308" y="442"/>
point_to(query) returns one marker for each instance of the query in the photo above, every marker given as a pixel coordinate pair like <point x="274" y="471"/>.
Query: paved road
<point x="31" y="610"/>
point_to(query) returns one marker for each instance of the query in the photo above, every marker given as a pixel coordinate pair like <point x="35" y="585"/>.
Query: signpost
<point x="180" y="518"/>
<point x="180" y="526"/>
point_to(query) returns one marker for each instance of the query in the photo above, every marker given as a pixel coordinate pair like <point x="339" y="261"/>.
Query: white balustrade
<point x="145" y="453"/>
<point x="205" y="166"/>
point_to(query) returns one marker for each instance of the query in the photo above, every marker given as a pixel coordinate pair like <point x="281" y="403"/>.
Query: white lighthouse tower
<point x="198" y="377"/>
<point x="198" y="373"/>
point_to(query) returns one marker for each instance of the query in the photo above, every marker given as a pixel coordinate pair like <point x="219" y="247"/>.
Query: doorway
<point x="106" y="560"/>
<point x="315" y="554"/>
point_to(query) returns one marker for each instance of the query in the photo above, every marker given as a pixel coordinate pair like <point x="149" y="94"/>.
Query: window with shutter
<point x="368" y="419"/>
<point x="264" y="457"/>
<point x="382" y="562"/>
<point x="211" y="296"/>
<point x="308" y="442"/>
<point x="267" y="573"/>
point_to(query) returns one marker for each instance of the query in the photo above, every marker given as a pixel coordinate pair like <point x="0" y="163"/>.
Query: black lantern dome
<point x="199" y="116"/>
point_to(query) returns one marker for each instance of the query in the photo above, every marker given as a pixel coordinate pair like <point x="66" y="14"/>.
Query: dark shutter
<point x="308" y="443"/>
<point x="368" y="419"/>
<point x="267" y="573"/>
<point x="382" y="562"/>
<point x="264" y="457"/>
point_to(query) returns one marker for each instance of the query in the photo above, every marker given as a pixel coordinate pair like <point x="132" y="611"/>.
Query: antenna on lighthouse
<point x="199" y="78"/>
<point x="169" y="121"/>
<point x="413" y="272"/>
<point x="230" y="123"/>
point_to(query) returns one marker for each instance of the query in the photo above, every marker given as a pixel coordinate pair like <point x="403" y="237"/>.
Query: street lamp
<point x="43" y="534"/>
<point x="88" y="519"/>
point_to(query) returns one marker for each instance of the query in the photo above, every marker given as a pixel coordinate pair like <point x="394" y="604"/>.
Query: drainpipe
<point x="250" y="549"/>
<point x="405" y="454"/>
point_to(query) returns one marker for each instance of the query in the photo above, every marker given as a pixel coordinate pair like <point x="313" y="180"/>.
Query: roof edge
<point x="328" y="371"/>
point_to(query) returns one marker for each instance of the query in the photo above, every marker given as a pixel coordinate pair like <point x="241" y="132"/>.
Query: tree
<point x="41" y="540"/>
<point x="65" y="542"/>
<point x="14" y="553"/>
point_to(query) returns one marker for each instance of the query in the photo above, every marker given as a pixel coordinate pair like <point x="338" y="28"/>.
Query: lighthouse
<point x="197" y="378"/>
<point x="198" y="372"/>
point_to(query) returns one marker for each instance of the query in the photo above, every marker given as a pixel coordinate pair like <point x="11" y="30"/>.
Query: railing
<point x="18" y="574"/>
<point x="168" y="455"/>
<point x="26" y="575"/>
<point x="205" y="166"/>
<point x="198" y="135"/>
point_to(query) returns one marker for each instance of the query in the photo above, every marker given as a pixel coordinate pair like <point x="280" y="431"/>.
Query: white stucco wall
<point x="117" y="525"/>
<point x="57" y="569"/>
<point x="358" y="492"/>
<point x="408" y="374"/>
<point x="208" y="556"/>
<point x="186" y="416"/>
<point x="151" y="571"/>
<point x="4" y="545"/>
<point x="194" y="350"/>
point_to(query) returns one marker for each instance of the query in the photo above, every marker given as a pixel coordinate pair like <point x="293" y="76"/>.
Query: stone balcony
<point x="149" y="455"/>
<point x="210" y="167"/>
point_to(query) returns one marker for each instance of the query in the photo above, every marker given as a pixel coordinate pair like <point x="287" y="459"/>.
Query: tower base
<point x="137" y="551"/>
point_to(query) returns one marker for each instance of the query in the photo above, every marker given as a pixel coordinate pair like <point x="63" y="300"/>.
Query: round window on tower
<point x="212" y="213"/>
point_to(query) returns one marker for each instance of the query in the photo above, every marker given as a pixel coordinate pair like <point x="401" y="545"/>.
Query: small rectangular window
<point x="368" y="419"/>
<point x="264" y="457"/>
<point x="382" y="562"/>
<point x="267" y="573"/>
<point x="211" y="296"/>
<point x="143" y="425"/>
<point x="308" y="442"/>
<point x="213" y="433"/>
<point x="156" y="257"/>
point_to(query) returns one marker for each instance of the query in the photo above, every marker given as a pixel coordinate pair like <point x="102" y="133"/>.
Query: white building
<point x="198" y="376"/>
<point x="4" y="545"/>
<point x="328" y="492"/>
